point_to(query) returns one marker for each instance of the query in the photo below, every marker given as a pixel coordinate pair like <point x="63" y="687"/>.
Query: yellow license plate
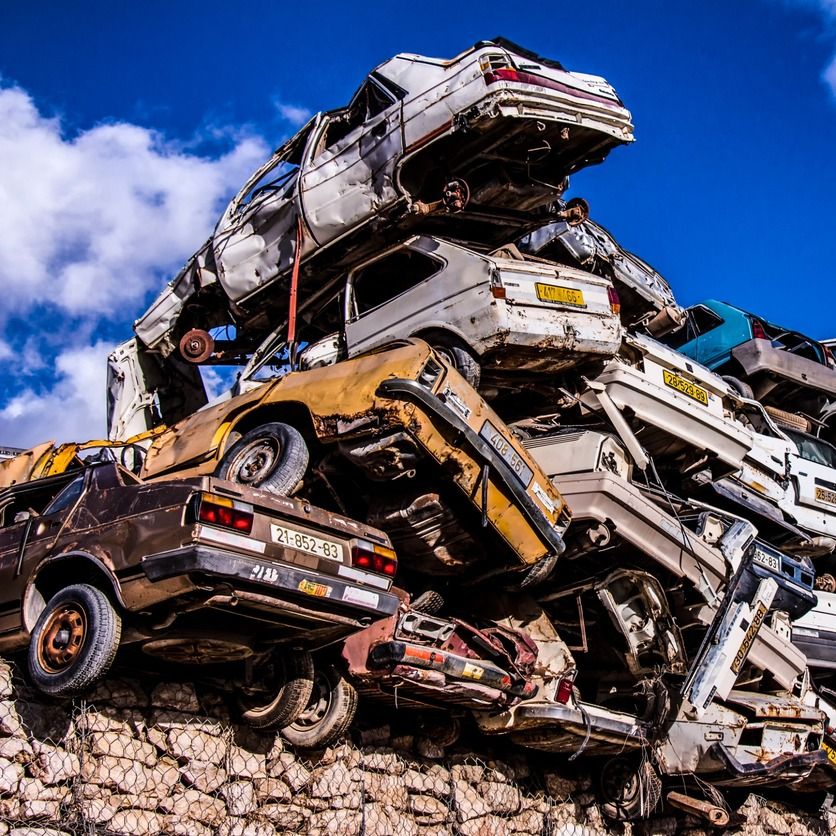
<point x="831" y="753"/>
<point x="562" y="295"/>
<point x="320" y="590"/>
<point x="685" y="386"/>
<point x="824" y="495"/>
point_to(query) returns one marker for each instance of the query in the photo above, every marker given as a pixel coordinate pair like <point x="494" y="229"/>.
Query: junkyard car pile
<point x="475" y="458"/>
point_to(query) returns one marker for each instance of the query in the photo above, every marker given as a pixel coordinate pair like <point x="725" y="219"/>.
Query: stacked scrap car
<point x="613" y="517"/>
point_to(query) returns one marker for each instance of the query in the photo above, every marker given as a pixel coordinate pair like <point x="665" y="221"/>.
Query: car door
<point x="394" y="296"/>
<point x="812" y="466"/>
<point x="348" y="173"/>
<point x="255" y="240"/>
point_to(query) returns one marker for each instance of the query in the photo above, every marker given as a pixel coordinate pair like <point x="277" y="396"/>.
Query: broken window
<point x="391" y="276"/>
<point x="701" y="320"/>
<point x="369" y="101"/>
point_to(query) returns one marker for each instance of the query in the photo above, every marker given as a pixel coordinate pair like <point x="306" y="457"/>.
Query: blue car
<point x="772" y="364"/>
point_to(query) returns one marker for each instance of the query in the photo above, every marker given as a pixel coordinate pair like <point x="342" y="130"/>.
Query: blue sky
<point x="124" y="127"/>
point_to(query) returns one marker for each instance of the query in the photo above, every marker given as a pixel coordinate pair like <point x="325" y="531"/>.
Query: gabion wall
<point x="142" y="758"/>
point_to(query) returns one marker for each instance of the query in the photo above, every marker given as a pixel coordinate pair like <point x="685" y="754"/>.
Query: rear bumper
<point x="757" y="356"/>
<point x="272" y="585"/>
<point x="779" y="770"/>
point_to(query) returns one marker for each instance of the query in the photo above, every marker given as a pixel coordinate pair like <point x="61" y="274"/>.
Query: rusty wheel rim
<point x="62" y="638"/>
<point x="255" y="462"/>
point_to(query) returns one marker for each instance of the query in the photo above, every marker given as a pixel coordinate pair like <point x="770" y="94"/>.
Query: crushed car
<point x="197" y="571"/>
<point x="489" y="135"/>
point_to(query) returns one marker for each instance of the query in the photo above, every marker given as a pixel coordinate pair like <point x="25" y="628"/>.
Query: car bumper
<point x="269" y="585"/>
<point x="487" y="454"/>
<point x="760" y="356"/>
<point x="778" y="770"/>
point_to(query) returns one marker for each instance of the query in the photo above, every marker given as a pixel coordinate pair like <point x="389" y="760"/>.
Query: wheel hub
<point x="256" y="462"/>
<point x="62" y="638"/>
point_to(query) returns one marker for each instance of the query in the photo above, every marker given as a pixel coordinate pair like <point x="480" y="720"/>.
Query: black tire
<point x="743" y="389"/>
<point x="630" y="789"/>
<point x="273" y="457"/>
<point x="328" y="714"/>
<point x="74" y="641"/>
<point x="429" y="602"/>
<point x="463" y="362"/>
<point x="292" y="679"/>
<point x="539" y="571"/>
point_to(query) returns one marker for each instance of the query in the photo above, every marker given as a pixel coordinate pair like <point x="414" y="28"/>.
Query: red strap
<point x="294" y="283"/>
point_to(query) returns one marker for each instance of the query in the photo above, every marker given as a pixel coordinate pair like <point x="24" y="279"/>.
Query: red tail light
<point x="374" y="558"/>
<point x="222" y="512"/>
<point x="758" y="331"/>
<point x="615" y="301"/>
<point x="564" y="690"/>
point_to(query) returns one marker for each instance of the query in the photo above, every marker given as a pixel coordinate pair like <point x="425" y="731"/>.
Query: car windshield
<point x="813" y="449"/>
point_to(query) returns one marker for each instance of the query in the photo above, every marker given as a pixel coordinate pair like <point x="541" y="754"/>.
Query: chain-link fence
<point x="166" y="758"/>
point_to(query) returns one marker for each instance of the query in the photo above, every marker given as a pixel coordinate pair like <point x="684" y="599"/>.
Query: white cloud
<point x="827" y="10"/>
<point x="92" y="223"/>
<point x="73" y="410"/>
<point x="294" y="114"/>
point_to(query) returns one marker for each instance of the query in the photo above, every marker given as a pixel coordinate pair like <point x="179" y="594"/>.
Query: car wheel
<point x="743" y="389"/>
<point x="290" y="680"/>
<point x="630" y="789"/>
<point x="273" y="457"/>
<point x="329" y="712"/>
<point x="539" y="571"/>
<point x="74" y="641"/>
<point x="429" y="602"/>
<point x="462" y="361"/>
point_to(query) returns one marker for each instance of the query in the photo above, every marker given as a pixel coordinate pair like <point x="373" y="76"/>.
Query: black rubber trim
<point x="413" y="390"/>
<point x="229" y="567"/>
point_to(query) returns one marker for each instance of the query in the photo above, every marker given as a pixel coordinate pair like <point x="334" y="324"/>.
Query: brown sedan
<point x="191" y="570"/>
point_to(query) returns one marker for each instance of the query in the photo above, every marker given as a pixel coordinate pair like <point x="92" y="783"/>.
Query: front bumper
<point x="487" y="454"/>
<point x="272" y="585"/>
<point x="779" y="770"/>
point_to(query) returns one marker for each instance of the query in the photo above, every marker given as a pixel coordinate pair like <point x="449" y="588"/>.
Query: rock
<point x="37" y="808"/>
<point x="772" y="822"/>
<point x="295" y="776"/>
<point x="10" y="776"/>
<point x="484" y="826"/>
<point x="92" y="721"/>
<point x="10" y="725"/>
<point x="387" y="789"/>
<point x="168" y="720"/>
<point x="427" y="784"/>
<point x="240" y="798"/>
<point x="163" y="778"/>
<point x="387" y="762"/>
<point x="179" y="696"/>
<point x="195" y="805"/>
<point x="289" y="817"/>
<point x="336" y="823"/>
<point x="37" y="831"/>
<point x="191" y="743"/>
<point x="120" y="745"/>
<point x="428" y="810"/>
<point x="16" y="749"/>
<point x="204" y="776"/>
<point x="501" y="798"/>
<point x="385" y="820"/>
<point x="243" y="827"/>
<point x="6" y="686"/>
<point x="9" y="809"/>
<point x="244" y="764"/>
<point x="472" y="773"/>
<point x="51" y="764"/>
<point x="529" y="822"/>
<point x="332" y="781"/>
<point x="468" y="803"/>
<point x="272" y="789"/>
<point x="97" y="810"/>
<point x="175" y="826"/>
<point x="135" y="823"/>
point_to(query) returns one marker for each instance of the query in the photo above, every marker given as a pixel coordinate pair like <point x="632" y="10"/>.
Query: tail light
<point x="375" y="558"/>
<point x="615" y="301"/>
<point x="565" y="688"/>
<point x="497" y="288"/>
<point x="828" y="356"/>
<point x="224" y="512"/>
<point x="758" y="331"/>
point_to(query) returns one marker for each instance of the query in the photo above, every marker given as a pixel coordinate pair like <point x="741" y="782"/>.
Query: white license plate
<point x="306" y="542"/>
<point x="502" y="445"/>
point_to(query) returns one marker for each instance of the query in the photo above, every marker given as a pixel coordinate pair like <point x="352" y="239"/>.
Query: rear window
<point x="391" y="276"/>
